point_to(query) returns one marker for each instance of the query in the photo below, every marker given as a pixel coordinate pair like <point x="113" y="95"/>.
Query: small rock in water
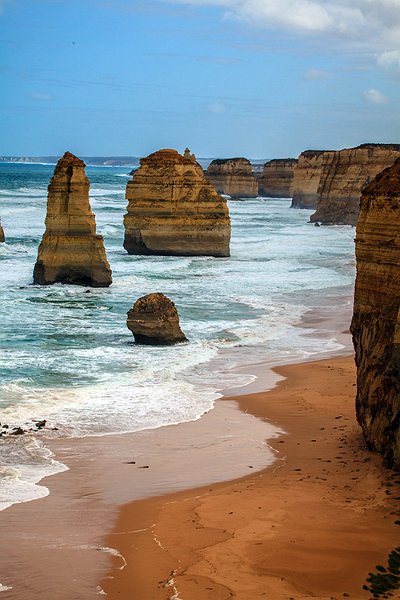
<point x="17" y="431"/>
<point x="41" y="424"/>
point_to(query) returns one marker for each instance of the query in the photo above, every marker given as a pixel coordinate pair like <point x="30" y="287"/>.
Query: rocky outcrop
<point x="174" y="210"/>
<point x="306" y="178"/>
<point x="343" y="177"/>
<point x="277" y="178"/>
<point x="376" y="320"/>
<point x="233" y="177"/>
<point x="70" y="250"/>
<point x="154" y="320"/>
<point x="2" y="236"/>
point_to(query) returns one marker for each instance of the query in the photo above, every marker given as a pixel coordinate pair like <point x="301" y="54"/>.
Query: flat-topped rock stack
<point x="306" y="178"/>
<point x="233" y="177"/>
<point x="344" y="174"/>
<point x="70" y="250"/>
<point x="277" y="178"/>
<point x="174" y="210"/>
<point x="376" y="320"/>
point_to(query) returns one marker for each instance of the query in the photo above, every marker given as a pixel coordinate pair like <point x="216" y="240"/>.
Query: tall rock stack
<point x="233" y="177"/>
<point x="277" y="178"/>
<point x="376" y="320"/>
<point x="306" y="178"/>
<point x="344" y="174"/>
<point x="174" y="210"/>
<point x="70" y="250"/>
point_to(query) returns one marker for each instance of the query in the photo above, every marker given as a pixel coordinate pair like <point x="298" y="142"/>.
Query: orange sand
<point x="312" y="526"/>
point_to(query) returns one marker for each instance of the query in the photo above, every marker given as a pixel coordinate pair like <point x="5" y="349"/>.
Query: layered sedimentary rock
<point x="70" y="250"/>
<point x="2" y="236"/>
<point x="344" y="174"/>
<point x="376" y="320"/>
<point x="174" y="210"/>
<point x="233" y="177"/>
<point x="277" y="178"/>
<point x="154" y="320"/>
<point x="306" y="178"/>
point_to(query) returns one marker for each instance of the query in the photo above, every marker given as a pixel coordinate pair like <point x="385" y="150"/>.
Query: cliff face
<point x="234" y="177"/>
<point x="376" y="320"/>
<point x="70" y="250"/>
<point x="174" y="210"/>
<point x="343" y="177"/>
<point x="277" y="178"/>
<point x="306" y="178"/>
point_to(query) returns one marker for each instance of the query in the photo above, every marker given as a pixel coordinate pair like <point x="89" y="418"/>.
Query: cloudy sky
<point x="259" y="78"/>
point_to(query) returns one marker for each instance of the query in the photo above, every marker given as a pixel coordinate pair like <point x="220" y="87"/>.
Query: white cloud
<point x="372" y="23"/>
<point x="375" y="97"/>
<point x="389" y="58"/>
<point x="216" y="108"/>
<point x="42" y="96"/>
<point x="315" y="75"/>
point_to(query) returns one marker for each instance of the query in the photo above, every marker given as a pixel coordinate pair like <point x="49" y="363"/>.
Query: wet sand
<point x="311" y="526"/>
<point x="54" y="547"/>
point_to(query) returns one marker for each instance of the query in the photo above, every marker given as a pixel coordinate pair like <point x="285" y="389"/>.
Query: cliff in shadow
<point x="376" y="320"/>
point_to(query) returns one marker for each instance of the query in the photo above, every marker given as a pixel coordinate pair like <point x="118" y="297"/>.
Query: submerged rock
<point x="70" y="250"/>
<point x="174" y="210"/>
<point x="154" y="320"/>
<point x="376" y="319"/>
<point x="233" y="176"/>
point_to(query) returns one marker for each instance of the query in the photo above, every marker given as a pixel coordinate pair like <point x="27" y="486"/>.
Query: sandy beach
<point x="311" y="526"/>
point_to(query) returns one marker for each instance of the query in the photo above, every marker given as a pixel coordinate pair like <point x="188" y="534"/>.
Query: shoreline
<point x="313" y="525"/>
<point x="106" y="472"/>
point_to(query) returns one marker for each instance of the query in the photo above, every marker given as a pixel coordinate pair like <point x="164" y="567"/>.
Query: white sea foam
<point x="66" y="355"/>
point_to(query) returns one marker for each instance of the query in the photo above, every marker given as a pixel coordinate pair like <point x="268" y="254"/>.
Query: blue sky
<point x="258" y="78"/>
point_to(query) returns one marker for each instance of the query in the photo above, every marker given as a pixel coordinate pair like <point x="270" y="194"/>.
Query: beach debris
<point x="154" y="320"/>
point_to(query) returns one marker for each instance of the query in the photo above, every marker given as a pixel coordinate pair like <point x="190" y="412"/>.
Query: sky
<point x="254" y="78"/>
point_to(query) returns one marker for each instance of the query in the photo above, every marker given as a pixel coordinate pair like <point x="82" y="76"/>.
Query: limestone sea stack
<point x="2" y="236"/>
<point x="154" y="320"/>
<point x="233" y="177"/>
<point x="277" y="178"/>
<point x="174" y="210"/>
<point x="306" y="178"/>
<point x="344" y="174"/>
<point x="70" y="250"/>
<point x="376" y="319"/>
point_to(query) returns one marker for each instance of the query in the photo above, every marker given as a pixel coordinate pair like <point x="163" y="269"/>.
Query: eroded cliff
<point x="70" y="250"/>
<point x="376" y="320"/>
<point x="174" y="210"/>
<point x="277" y="178"/>
<point x="233" y="177"/>
<point x="344" y="174"/>
<point x="306" y="178"/>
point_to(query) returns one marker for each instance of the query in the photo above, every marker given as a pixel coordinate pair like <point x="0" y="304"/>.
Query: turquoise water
<point x="67" y="356"/>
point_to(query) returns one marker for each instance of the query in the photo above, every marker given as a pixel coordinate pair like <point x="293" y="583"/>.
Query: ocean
<point x="67" y="356"/>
